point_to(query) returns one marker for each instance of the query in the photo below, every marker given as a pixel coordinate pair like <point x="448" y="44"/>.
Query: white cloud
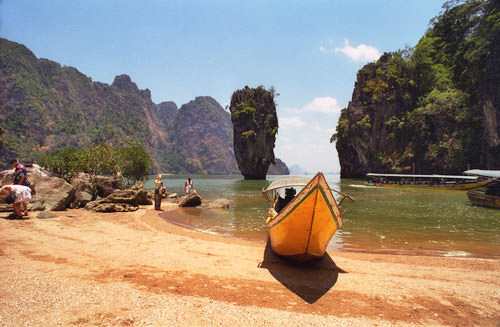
<point x="320" y="129"/>
<point x="325" y="105"/>
<point x="361" y="53"/>
<point x="293" y="122"/>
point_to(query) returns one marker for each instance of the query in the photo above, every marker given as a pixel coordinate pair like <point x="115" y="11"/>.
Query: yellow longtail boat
<point x="436" y="182"/>
<point x="304" y="227"/>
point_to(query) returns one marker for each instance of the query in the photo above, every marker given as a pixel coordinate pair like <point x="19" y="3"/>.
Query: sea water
<point x="381" y="220"/>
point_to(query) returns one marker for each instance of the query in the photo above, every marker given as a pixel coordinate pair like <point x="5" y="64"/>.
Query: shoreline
<point x="415" y="249"/>
<point x="136" y="269"/>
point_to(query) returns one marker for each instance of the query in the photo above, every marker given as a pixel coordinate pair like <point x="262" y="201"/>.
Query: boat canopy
<point x="485" y="173"/>
<point x="422" y="176"/>
<point x="288" y="181"/>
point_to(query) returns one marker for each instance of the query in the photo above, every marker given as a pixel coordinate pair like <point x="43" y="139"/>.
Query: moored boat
<point x="483" y="199"/>
<point x="303" y="227"/>
<point x="489" y="195"/>
<point x="438" y="182"/>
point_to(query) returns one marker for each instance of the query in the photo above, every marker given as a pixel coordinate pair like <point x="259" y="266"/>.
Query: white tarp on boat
<point x="288" y="181"/>
<point x="485" y="173"/>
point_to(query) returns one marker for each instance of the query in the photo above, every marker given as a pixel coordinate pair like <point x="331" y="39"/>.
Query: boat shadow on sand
<point x="309" y="280"/>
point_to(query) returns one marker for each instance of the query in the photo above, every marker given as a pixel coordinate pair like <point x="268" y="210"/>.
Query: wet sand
<point x="135" y="269"/>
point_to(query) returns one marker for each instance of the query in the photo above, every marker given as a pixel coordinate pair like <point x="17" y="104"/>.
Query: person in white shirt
<point x="17" y="195"/>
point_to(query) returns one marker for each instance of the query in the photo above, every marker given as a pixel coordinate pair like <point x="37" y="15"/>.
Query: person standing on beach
<point x="188" y="186"/>
<point x="19" y="194"/>
<point x="159" y="191"/>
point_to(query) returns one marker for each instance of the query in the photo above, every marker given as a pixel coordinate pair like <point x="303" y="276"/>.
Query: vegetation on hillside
<point x="47" y="106"/>
<point x="434" y="107"/>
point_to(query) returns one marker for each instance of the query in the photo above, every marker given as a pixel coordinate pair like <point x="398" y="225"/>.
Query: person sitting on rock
<point x="17" y="194"/>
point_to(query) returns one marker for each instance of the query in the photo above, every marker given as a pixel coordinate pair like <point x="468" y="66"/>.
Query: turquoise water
<point x="381" y="220"/>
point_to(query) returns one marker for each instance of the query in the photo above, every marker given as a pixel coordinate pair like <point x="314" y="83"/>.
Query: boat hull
<point x="303" y="229"/>
<point x="484" y="200"/>
<point x="434" y="187"/>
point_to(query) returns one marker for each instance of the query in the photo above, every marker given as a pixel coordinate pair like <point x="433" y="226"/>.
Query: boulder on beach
<point x="121" y="200"/>
<point x="99" y="206"/>
<point x="52" y="193"/>
<point x="101" y="186"/>
<point x="191" y="199"/>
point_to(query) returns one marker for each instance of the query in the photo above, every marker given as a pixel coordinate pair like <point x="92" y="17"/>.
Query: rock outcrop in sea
<point x="255" y="124"/>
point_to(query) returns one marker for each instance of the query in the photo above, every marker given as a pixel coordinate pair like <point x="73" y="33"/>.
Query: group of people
<point x="160" y="190"/>
<point x="19" y="192"/>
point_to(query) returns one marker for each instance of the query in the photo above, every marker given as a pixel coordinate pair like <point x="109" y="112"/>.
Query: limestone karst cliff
<point x="255" y="125"/>
<point x="430" y="109"/>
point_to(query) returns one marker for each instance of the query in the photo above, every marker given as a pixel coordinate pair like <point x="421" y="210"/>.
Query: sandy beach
<point x="135" y="269"/>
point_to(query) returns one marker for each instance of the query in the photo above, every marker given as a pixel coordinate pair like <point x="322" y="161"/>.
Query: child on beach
<point x="21" y="194"/>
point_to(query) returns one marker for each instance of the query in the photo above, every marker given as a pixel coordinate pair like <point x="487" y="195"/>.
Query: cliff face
<point x="255" y="125"/>
<point x="430" y="110"/>
<point x="200" y="139"/>
<point x="45" y="107"/>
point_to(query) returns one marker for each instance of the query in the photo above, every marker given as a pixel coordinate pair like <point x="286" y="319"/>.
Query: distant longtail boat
<point x="438" y="182"/>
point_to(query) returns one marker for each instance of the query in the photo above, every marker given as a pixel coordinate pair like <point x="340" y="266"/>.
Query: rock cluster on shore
<point x="95" y="193"/>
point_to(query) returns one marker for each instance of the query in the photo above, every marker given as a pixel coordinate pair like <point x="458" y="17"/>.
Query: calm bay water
<point x="381" y="220"/>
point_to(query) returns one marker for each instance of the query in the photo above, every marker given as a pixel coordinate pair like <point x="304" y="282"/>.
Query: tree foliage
<point x="131" y="161"/>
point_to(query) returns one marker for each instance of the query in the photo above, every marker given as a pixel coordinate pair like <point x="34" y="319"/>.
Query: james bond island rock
<point x="255" y="125"/>
<point x="432" y="109"/>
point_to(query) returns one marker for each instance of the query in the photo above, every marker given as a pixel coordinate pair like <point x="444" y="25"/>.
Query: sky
<point x="308" y="50"/>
